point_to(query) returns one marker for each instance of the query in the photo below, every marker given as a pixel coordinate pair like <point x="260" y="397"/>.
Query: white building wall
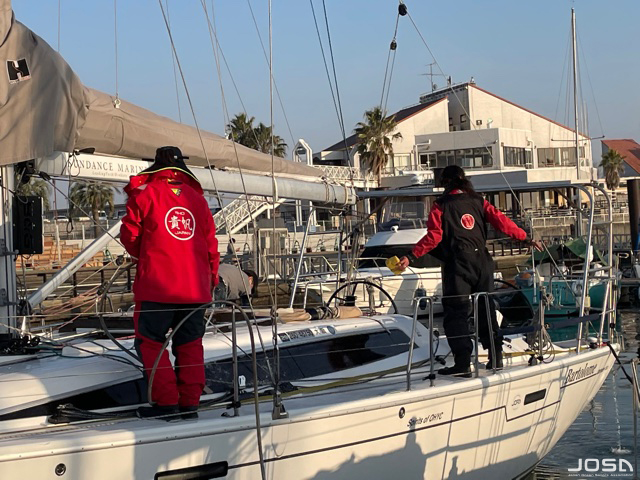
<point x="460" y="114"/>
<point x="457" y="140"/>
<point x="544" y="133"/>
<point x="432" y="119"/>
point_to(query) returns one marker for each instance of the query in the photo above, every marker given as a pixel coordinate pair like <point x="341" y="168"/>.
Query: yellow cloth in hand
<point x="393" y="264"/>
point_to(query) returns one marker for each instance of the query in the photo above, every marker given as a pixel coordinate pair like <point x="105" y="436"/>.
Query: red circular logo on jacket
<point x="468" y="221"/>
<point x="180" y="223"/>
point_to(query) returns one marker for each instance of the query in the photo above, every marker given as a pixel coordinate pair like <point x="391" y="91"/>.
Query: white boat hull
<point x="489" y="427"/>
<point x="401" y="288"/>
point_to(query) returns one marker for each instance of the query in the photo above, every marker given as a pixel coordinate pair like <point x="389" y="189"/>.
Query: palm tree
<point x="242" y="131"/>
<point x="263" y="141"/>
<point x="34" y="188"/>
<point x="374" y="144"/>
<point x="613" y="166"/>
<point x="92" y="197"/>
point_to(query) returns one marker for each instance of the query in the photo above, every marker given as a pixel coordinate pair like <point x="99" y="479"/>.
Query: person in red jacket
<point x="457" y="226"/>
<point x="169" y="231"/>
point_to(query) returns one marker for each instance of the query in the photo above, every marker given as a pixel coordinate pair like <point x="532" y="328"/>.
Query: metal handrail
<point x="417" y="301"/>
<point x="476" y="298"/>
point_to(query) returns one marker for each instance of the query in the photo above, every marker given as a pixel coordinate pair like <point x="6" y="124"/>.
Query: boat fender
<point x="421" y="293"/>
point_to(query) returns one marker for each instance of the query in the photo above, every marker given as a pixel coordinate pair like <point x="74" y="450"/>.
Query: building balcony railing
<point x="344" y="174"/>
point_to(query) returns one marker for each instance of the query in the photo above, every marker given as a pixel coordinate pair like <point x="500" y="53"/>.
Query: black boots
<point x="189" y="413"/>
<point x="499" y="363"/>
<point x="168" y="413"/>
<point x="461" y="368"/>
<point x="457" y="371"/>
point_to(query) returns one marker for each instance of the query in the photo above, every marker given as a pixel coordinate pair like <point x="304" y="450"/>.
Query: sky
<point x="515" y="49"/>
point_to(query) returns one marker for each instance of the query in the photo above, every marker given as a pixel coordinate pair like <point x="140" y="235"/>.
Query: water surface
<point x="604" y="429"/>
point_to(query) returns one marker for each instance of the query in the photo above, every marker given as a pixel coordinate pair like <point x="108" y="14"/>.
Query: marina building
<point x="507" y="149"/>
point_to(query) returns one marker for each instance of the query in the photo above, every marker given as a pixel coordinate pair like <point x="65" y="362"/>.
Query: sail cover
<point x="45" y="108"/>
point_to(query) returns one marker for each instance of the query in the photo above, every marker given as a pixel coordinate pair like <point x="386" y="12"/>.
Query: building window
<point x="427" y="160"/>
<point x="466" y="158"/>
<point x="402" y="161"/>
<point x="517" y="157"/>
<point x="463" y="118"/>
<point x="558" y="157"/>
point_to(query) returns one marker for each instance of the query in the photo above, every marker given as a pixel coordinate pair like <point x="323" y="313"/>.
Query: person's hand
<point x="536" y="245"/>
<point x="403" y="263"/>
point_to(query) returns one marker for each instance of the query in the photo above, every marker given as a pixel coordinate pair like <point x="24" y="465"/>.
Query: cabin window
<point x="296" y="362"/>
<point x="312" y="359"/>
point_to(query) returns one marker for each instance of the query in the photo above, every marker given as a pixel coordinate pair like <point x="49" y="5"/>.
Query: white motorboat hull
<point x="495" y="426"/>
<point x="401" y="288"/>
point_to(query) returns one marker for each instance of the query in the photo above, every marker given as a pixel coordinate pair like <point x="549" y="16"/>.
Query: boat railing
<point x="418" y="303"/>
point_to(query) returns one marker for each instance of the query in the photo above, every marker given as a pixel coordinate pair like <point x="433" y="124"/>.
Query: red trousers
<point x="184" y="384"/>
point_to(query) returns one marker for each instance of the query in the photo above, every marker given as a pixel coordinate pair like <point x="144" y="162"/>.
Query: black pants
<point x="466" y="273"/>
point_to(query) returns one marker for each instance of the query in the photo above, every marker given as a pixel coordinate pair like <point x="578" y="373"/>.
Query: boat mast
<point x="575" y="87"/>
<point x="575" y="118"/>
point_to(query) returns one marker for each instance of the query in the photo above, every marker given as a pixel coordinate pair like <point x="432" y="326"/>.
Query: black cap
<point x="169" y="157"/>
<point x="169" y="154"/>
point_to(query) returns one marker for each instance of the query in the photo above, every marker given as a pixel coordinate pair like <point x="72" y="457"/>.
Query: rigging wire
<point x="225" y="111"/>
<point x="392" y="51"/>
<point x="386" y="99"/>
<point x="475" y="129"/>
<point x="335" y="76"/>
<point x="199" y="131"/>
<point x="338" y="107"/>
<point x="564" y="70"/>
<point x="59" y="15"/>
<point x="277" y="403"/>
<point x="275" y="85"/>
<point x="217" y="50"/>
<point x="333" y="94"/>
<point x="175" y="74"/>
<point x="115" y="37"/>
<point x="586" y="67"/>
<point x="254" y="371"/>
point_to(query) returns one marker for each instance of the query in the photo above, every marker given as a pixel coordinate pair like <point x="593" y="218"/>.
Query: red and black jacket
<point x="169" y="229"/>
<point x="457" y="222"/>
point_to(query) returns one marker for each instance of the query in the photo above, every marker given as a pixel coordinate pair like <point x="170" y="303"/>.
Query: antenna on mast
<point x="434" y="87"/>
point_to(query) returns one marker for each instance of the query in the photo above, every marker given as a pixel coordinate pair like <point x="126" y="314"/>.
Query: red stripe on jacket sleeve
<point x="434" y="233"/>
<point x="500" y="222"/>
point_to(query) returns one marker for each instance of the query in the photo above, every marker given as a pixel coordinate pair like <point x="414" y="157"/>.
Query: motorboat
<point x="374" y="285"/>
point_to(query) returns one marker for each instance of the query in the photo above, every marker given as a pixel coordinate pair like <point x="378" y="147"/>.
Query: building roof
<point x="400" y="116"/>
<point x="525" y="109"/>
<point x="628" y="148"/>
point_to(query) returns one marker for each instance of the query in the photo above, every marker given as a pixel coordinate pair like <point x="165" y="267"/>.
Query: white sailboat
<point x="358" y="397"/>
